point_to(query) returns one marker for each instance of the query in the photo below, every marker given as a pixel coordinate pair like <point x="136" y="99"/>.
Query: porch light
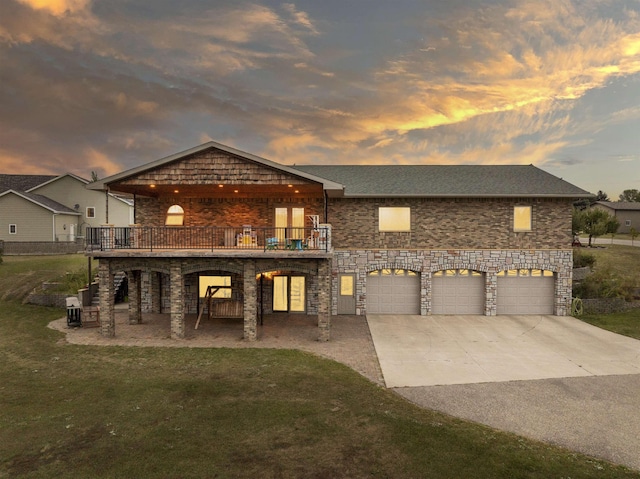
<point x="176" y="191"/>
<point x="297" y="191"/>
<point x="152" y="186"/>
<point x="235" y="191"/>
<point x="220" y="186"/>
<point x="289" y="186"/>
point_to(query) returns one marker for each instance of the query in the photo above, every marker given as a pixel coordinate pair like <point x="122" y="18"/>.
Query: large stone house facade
<point x="333" y="240"/>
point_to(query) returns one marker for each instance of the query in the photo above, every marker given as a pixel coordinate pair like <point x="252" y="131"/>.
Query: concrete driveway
<point x="443" y="350"/>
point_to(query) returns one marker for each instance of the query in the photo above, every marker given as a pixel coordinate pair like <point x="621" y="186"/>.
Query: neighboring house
<point x="332" y="240"/>
<point x="55" y="208"/>
<point x="627" y="213"/>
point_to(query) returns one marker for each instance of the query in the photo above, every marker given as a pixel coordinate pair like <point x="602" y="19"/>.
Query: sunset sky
<point x="108" y="85"/>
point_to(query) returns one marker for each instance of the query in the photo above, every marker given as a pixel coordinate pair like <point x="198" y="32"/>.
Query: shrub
<point x="580" y="259"/>
<point x="604" y="284"/>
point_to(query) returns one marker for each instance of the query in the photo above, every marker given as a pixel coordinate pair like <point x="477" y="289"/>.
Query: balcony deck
<point x="209" y="241"/>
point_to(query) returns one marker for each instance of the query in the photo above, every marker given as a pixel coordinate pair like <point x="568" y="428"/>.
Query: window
<point x="289" y="293"/>
<point x="223" y="283"/>
<point x="627" y="223"/>
<point x="289" y="223"/>
<point x="394" y="219"/>
<point x="522" y="218"/>
<point x="13" y="229"/>
<point x="91" y="212"/>
<point x="175" y="216"/>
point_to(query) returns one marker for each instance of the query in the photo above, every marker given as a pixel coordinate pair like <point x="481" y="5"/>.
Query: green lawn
<point x="626" y="323"/>
<point x="115" y="412"/>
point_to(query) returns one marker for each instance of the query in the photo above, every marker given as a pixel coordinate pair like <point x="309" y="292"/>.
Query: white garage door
<point x="525" y="291"/>
<point x="393" y="291"/>
<point x="457" y="291"/>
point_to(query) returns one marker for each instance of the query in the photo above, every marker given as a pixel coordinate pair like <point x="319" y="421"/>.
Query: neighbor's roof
<point x="446" y="181"/>
<point x="620" y="205"/>
<point x="42" y="201"/>
<point x="23" y="182"/>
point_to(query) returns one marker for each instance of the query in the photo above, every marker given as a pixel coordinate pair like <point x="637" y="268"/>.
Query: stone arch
<point x="392" y="265"/>
<point x="459" y="265"/>
<point x="544" y="267"/>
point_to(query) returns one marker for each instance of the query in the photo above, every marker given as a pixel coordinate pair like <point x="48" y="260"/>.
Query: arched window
<point x="175" y="216"/>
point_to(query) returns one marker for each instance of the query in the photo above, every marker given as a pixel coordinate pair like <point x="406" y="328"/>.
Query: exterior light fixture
<point x="152" y="186"/>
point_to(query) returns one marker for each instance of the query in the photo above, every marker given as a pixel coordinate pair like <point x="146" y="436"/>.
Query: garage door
<point x="457" y="291"/>
<point x="393" y="291"/>
<point x="525" y="291"/>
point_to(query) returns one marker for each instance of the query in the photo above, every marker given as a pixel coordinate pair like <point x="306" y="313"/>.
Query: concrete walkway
<point x="439" y="350"/>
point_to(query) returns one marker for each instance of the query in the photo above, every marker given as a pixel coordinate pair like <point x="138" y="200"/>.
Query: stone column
<point x="324" y="300"/>
<point x="107" y="299"/>
<point x="155" y="291"/>
<point x="177" y="300"/>
<point x="490" y="294"/>
<point x="425" y="293"/>
<point x="250" y="301"/>
<point x="135" y="296"/>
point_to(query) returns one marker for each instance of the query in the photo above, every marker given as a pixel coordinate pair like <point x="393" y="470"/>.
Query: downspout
<point x="54" y="226"/>
<point x="326" y="207"/>
<point x="134" y="209"/>
<point x="106" y="201"/>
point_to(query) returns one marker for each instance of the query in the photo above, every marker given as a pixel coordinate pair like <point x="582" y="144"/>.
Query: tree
<point x="594" y="222"/>
<point x="602" y="196"/>
<point x="94" y="177"/>
<point x="634" y="234"/>
<point x="632" y="196"/>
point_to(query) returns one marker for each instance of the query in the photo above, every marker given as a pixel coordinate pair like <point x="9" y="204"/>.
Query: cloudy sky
<point x="106" y="85"/>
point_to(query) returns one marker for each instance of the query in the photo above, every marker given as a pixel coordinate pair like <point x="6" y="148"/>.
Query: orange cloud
<point x="57" y="7"/>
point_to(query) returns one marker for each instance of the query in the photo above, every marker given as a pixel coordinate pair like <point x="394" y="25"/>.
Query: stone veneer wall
<point x="460" y="223"/>
<point x="425" y="262"/>
<point x="154" y="274"/>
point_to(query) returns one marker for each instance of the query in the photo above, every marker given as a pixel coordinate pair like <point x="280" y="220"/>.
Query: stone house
<point x="331" y="240"/>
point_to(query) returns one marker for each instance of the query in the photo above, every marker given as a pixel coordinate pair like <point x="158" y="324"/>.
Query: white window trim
<point x="13" y="227"/>
<point x="92" y="208"/>
<point x="627" y="223"/>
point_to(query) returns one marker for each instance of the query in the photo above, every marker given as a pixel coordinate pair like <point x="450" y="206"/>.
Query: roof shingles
<point x="445" y="180"/>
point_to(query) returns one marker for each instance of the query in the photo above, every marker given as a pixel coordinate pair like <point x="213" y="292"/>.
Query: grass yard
<point x="626" y="323"/>
<point x="105" y="412"/>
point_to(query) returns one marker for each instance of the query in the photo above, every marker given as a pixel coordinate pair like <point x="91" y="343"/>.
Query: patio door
<point x="289" y="223"/>
<point x="289" y="294"/>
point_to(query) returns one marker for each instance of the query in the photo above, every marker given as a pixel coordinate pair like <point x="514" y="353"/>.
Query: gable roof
<point x="102" y="184"/>
<point x="42" y="201"/>
<point x="22" y="182"/>
<point x="621" y="205"/>
<point x="446" y="181"/>
<point x="56" y="178"/>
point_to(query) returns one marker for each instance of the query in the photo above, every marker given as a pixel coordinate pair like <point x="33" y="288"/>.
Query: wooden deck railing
<point x="151" y="238"/>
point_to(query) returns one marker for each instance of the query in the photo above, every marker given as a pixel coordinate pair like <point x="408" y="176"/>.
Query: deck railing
<point x="151" y="238"/>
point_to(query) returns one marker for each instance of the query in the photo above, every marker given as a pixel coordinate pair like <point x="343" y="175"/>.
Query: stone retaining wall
<point x="10" y="248"/>
<point x="608" y="305"/>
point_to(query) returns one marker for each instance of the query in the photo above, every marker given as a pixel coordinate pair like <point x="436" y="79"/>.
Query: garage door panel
<point x="457" y="294"/>
<point x="395" y="293"/>
<point x="525" y="294"/>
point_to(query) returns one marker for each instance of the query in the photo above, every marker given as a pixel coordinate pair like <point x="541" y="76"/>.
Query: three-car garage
<point x="460" y="292"/>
